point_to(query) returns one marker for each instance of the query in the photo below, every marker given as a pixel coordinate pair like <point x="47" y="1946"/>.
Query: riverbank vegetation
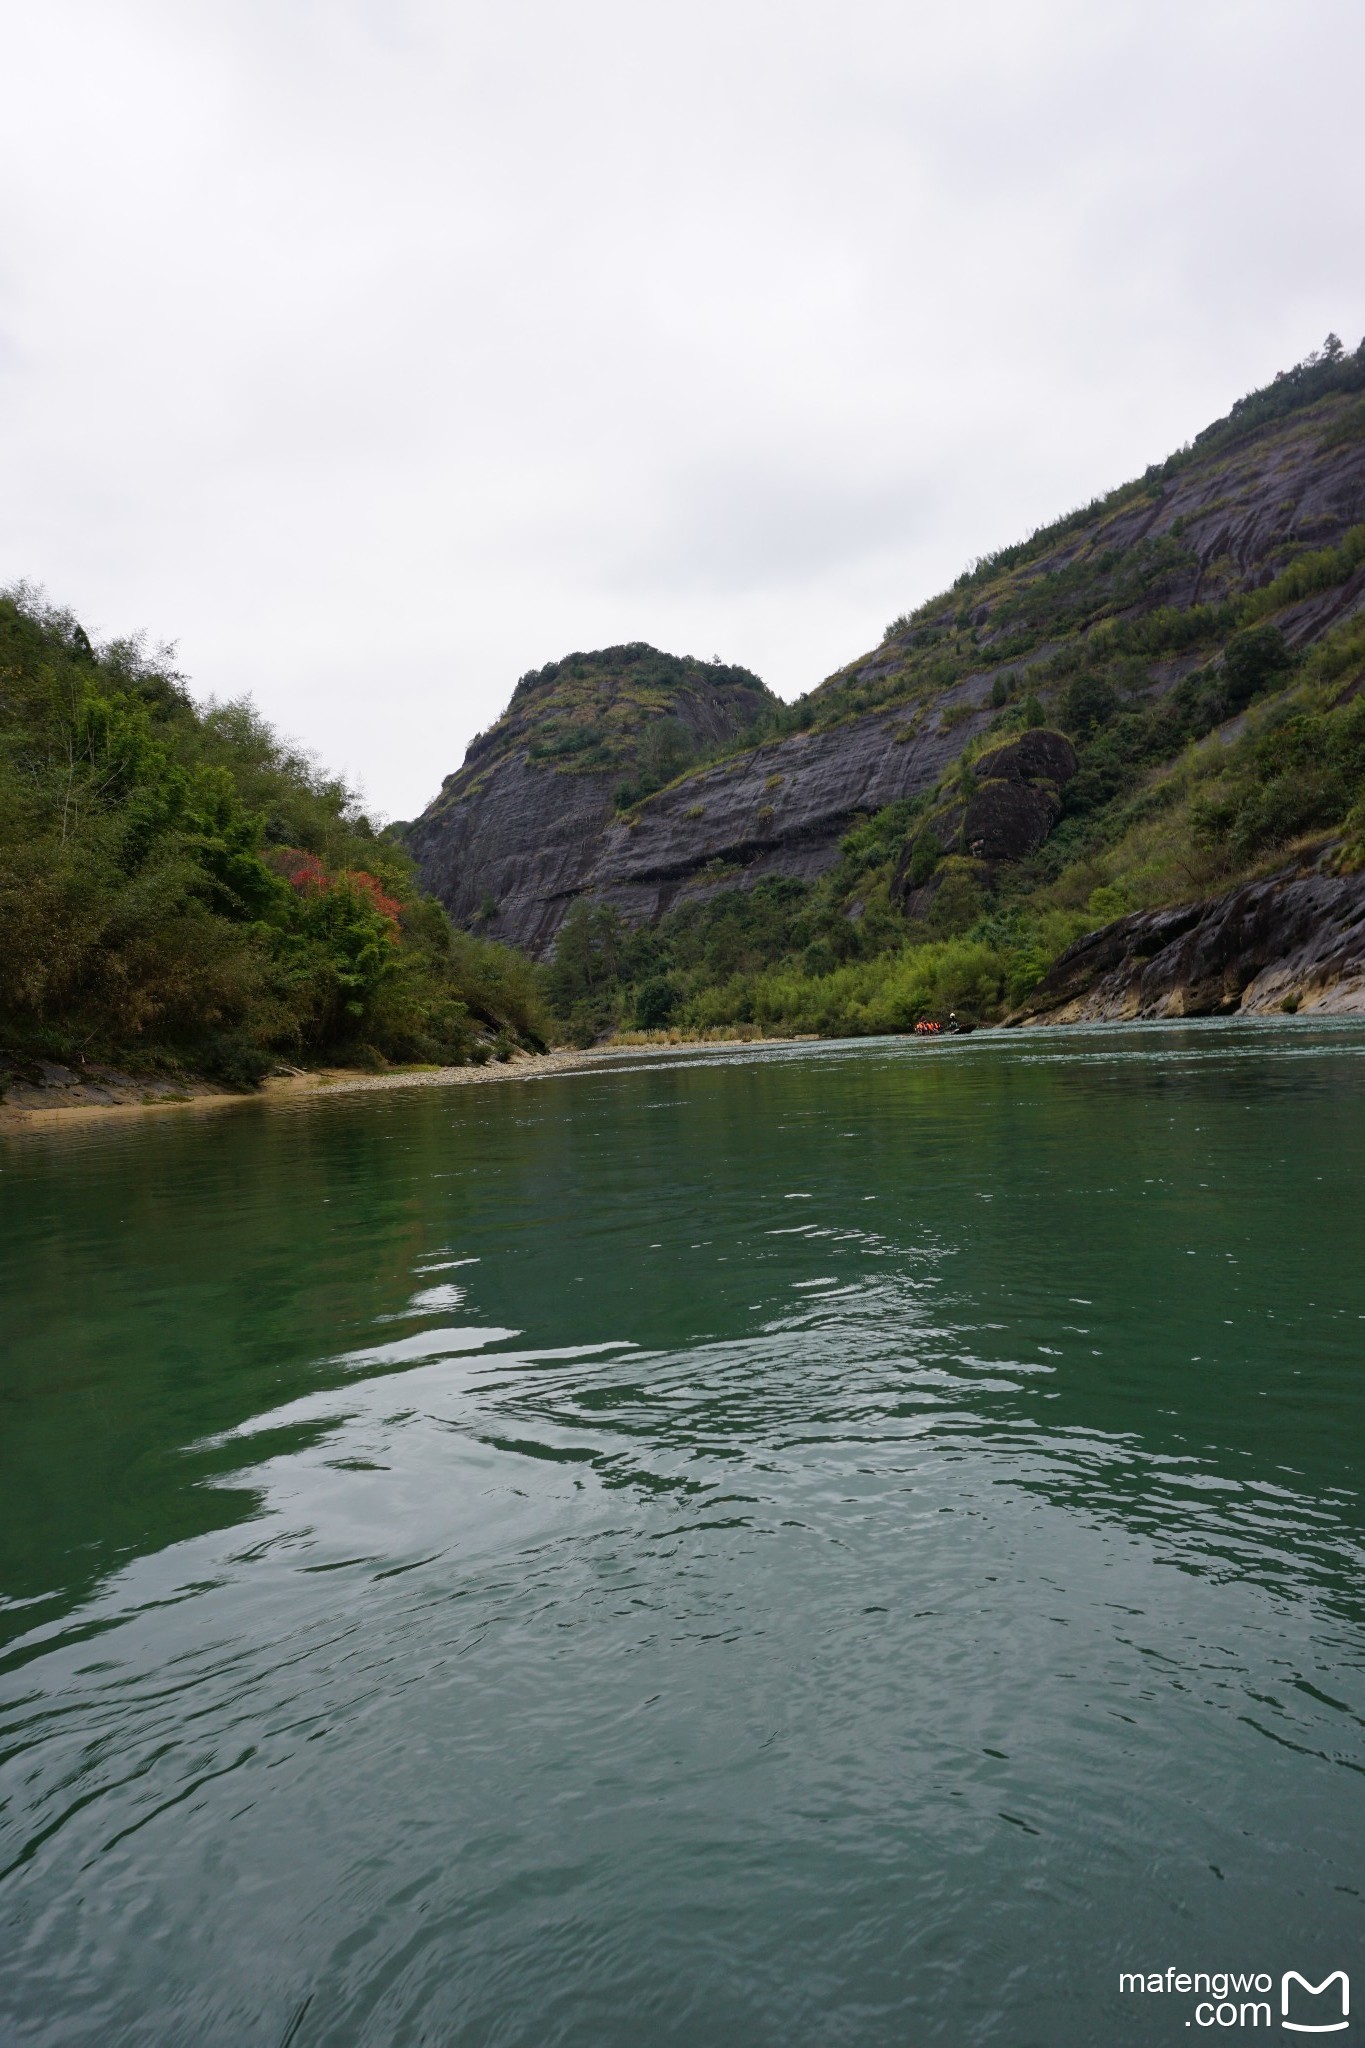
<point x="181" y="888"/>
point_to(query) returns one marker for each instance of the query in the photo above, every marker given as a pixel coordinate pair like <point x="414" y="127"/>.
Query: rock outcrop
<point x="29" y="1084"/>
<point x="1294" y="940"/>
<point x="1015" y="801"/>
<point x="1018" y="796"/>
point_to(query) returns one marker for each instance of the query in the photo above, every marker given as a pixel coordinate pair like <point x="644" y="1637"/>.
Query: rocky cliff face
<point x="510" y="855"/>
<point x="1294" y="940"/>
<point x="1207" y="527"/>
<point x="781" y="809"/>
<point x="1144" y="584"/>
<point x="535" y="840"/>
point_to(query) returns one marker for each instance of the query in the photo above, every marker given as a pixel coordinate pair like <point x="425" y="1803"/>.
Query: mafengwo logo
<point x="1333" y="2017"/>
<point x="1242" y="1998"/>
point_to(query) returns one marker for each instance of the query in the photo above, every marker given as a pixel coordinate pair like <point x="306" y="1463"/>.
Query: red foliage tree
<point x="303" y="871"/>
<point x="306" y="874"/>
<point x="369" y="885"/>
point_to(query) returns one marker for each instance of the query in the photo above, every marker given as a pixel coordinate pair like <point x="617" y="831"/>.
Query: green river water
<point x="820" y="1545"/>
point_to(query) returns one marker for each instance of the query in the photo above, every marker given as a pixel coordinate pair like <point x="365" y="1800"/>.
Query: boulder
<point x="1039" y="755"/>
<point x="1009" y="820"/>
<point x="1013" y="806"/>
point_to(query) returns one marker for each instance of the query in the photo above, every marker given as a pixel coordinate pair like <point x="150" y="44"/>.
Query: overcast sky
<point x="376" y="351"/>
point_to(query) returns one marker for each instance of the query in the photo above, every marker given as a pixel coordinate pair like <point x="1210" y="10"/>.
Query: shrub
<point x="924" y="858"/>
<point x="1253" y="659"/>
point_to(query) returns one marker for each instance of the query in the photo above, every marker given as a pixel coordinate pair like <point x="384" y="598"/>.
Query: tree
<point x="656" y="1004"/>
<point x="1088" y="702"/>
<point x="588" y="956"/>
<point x="1252" y="659"/>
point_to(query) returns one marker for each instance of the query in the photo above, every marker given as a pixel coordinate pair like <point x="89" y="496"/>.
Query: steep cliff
<point x="781" y="809"/>
<point x="1149" y="571"/>
<point x="1159" y="614"/>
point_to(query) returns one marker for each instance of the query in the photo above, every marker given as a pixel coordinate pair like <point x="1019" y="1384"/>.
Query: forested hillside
<point x="179" y="888"/>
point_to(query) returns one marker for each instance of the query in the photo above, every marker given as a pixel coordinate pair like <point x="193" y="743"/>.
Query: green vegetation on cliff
<point x="1084" y="593"/>
<point x="629" y="710"/>
<point x="179" y="887"/>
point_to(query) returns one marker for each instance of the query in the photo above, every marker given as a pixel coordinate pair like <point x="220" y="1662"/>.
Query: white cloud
<point x="380" y="352"/>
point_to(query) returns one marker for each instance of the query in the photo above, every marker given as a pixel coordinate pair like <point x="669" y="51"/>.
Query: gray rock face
<point x="525" y="838"/>
<point x="1040" y="755"/>
<point x="517" y="832"/>
<point x="1295" y="935"/>
<point x="1014" y="805"/>
<point x="534" y="840"/>
<point x="1009" y="820"/>
<point x="780" y="810"/>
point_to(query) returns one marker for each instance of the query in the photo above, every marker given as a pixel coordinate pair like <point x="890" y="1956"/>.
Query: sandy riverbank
<point x="110" y="1096"/>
